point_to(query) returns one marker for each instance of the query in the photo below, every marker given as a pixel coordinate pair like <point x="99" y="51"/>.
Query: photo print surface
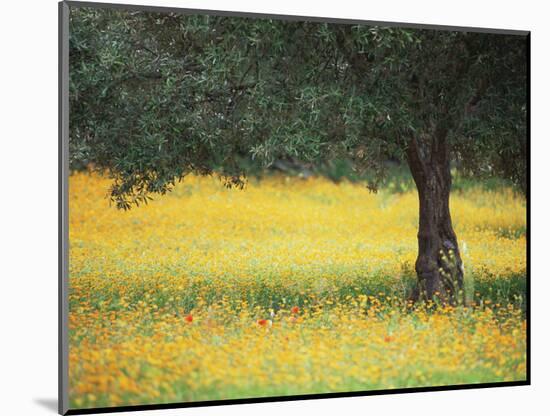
<point x="268" y="207"/>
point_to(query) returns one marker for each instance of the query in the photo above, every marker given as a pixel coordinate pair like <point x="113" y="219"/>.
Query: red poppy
<point x="262" y="322"/>
<point x="188" y="318"/>
<point x="295" y="309"/>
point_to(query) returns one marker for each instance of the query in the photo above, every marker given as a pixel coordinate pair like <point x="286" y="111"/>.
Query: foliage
<point x="155" y="97"/>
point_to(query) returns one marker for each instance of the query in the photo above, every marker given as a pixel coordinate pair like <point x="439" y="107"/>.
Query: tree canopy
<point x="156" y="96"/>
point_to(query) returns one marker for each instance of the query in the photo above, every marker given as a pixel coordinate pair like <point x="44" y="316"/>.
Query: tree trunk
<point x="438" y="267"/>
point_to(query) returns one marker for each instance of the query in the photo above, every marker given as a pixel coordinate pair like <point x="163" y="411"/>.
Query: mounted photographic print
<point x="258" y="208"/>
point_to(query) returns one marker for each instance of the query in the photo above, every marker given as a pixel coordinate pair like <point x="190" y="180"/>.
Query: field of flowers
<point x="290" y="286"/>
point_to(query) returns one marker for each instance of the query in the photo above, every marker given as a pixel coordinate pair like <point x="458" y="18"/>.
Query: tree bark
<point x="438" y="266"/>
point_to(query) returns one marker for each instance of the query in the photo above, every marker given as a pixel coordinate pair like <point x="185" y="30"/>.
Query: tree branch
<point x="470" y="106"/>
<point x="416" y="163"/>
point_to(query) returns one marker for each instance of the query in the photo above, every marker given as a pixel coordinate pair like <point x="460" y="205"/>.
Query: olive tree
<point x="156" y="96"/>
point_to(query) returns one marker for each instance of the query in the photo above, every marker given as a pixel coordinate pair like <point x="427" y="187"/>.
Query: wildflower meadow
<point x="290" y="286"/>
